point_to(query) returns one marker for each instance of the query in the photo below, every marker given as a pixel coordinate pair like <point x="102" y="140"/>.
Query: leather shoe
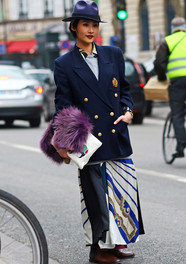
<point x="102" y="256"/>
<point x="121" y="254"/>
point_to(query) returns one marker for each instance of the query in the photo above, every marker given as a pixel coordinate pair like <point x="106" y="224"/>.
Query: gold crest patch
<point x="115" y="82"/>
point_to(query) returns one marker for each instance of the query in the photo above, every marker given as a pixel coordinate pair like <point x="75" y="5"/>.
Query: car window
<point x="40" y="76"/>
<point x="12" y="74"/>
<point x="130" y="70"/>
<point x="149" y="65"/>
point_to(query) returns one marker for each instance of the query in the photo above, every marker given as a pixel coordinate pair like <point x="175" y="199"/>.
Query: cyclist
<point x="171" y="59"/>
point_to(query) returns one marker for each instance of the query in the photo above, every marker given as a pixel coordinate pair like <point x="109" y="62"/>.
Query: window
<point x="129" y="69"/>
<point x="49" y="8"/>
<point x="144" y="19"/>
<point x="23" y="9"/>
<point x="1" y="11"/>
<point x="170" y="12"/>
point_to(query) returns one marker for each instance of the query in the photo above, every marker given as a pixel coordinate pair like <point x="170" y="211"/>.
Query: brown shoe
<point x="121" y="254"/>
<point x="102" y="256"/>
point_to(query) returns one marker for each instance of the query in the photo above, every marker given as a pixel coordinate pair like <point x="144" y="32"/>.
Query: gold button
<point x="99" y="134"/>
<point x="116" y="95"/>
<point x="96" y="117"/>
<point x="85" y="99"/>
<point x="111" y="113"/>
<point x="113" y="131"/>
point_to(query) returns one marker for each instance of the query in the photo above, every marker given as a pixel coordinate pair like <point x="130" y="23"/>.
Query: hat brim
<point x="68" y="19"/>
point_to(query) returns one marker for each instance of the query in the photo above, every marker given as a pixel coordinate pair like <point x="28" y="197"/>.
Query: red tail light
<point x="39" y="90"/>
<point x="142" y="85"/>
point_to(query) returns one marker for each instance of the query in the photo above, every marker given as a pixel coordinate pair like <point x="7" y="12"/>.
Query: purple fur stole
<point x="69" y="130"/>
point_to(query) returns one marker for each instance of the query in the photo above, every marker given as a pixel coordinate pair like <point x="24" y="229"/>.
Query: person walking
<point x="171" y="59"/>
<point x="91" y="78"/>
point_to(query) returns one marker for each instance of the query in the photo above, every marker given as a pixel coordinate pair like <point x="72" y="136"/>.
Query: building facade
<point x="32" y="29"/>
<point x="147" y="23"/>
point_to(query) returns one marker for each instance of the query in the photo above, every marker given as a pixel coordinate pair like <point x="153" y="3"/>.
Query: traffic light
<point x="121" y="9"/>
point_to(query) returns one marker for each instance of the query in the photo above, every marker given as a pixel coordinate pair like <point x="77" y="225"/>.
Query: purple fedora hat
<point x="85" y="9"/>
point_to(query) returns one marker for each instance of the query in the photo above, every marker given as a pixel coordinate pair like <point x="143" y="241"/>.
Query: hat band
<point x="83" y="15"/>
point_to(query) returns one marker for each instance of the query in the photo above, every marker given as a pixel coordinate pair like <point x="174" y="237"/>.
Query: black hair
<point x="73" y="24"/>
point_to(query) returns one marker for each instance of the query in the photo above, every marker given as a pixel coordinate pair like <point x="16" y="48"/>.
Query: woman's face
<point x="86" y="32"/>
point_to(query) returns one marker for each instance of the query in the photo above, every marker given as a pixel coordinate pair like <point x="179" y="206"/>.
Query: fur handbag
<point x="70" y="130"/>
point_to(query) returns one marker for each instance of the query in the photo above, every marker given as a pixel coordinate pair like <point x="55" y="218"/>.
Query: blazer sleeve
<point x="63" y="95"/>
<point x="125" y="96"/>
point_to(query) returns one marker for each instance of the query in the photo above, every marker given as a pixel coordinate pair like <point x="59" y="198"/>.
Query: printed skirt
<point x="110" y="206"/>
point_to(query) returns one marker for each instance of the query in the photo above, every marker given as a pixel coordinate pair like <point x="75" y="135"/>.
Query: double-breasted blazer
<point x="102" y="99"/>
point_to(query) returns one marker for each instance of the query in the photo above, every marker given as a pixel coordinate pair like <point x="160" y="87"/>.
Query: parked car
<point x="7" y="62"/>
<point x="21" y="97"/>
<point x="137" y="77"/>
<point x="45" y="77"/>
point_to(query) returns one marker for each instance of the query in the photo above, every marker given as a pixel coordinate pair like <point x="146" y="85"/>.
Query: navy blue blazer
<point x="103" y="99"/>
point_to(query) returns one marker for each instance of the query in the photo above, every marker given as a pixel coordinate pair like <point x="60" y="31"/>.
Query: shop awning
<point x="21" y="46"/>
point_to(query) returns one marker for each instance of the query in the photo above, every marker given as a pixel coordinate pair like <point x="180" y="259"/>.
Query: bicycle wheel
<point x="169" y="140"/>
<point x="22" y="240"/>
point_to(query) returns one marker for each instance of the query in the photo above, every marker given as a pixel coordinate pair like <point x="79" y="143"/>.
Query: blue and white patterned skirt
<point x="120" y="191"/>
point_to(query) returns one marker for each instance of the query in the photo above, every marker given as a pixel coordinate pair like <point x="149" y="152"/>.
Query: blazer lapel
<point x="85" y="73"/>
<point x="105" y="70"/>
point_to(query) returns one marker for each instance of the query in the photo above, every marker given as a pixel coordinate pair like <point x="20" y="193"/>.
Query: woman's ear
<point x="73" y="28"/>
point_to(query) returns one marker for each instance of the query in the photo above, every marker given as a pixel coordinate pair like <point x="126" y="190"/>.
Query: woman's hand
<point x="127" y="117"/>
<point x="63" y="153"/>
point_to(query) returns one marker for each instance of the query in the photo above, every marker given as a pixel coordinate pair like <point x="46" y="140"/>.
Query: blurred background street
<point x="32" y="34"/>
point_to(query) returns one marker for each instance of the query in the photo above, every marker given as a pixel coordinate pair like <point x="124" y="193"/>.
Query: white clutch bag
<point x="91" y="145"/>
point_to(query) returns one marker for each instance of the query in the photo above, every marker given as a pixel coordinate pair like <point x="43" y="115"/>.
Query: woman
<point x="91" y="78"/>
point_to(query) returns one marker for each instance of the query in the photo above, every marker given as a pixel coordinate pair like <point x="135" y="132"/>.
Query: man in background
<point x="171" y="60"/>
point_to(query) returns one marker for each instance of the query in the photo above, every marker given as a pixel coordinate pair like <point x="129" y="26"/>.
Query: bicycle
<point x="168" y="140"/>
<point x="22" y="239"/>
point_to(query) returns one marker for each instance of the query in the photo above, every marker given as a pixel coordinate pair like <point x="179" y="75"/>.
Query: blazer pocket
<point x="122" y="126"/>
